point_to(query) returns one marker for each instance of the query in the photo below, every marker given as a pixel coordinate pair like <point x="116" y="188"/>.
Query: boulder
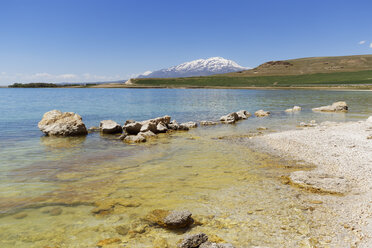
<point x="294" y="109"/>
<point x="230" y="118"/>
<point x="261" y="113"/>
<point x="132" y="128"/>
<point x="193" y="241"/>
<point x="129" y="121"/>
<point x="161" y="128"/>
<point x="243" y="114"/>
<point x="215" y="245"/>
<point x="189" y="124"/>
<point x="135" y="138"/>
<point x="110" y="127"/>
<point x="173" y="125"/>
<point x="369" y="119"/>
<point x="335" y="107"/>
<point x="147" y="134"/>
<point x="170" y="219"/>
<point x="149" y="126"/>
<point x="56" y="123"/>
<point x="208" y="123"/>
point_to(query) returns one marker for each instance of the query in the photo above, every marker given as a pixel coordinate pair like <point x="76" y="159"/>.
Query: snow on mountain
<point x="200" y="67"/>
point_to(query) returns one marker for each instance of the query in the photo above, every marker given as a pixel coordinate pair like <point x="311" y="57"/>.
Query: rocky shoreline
<point x="342" y="155"/>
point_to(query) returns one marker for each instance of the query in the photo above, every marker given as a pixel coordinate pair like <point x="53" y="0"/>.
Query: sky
<point x="107" y="40"/>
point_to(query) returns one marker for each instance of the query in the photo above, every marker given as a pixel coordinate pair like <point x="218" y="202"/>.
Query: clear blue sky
<point x="90" y="40"/>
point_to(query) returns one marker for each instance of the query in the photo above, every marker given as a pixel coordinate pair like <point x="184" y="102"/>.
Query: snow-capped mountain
<point x="200" y="67"/>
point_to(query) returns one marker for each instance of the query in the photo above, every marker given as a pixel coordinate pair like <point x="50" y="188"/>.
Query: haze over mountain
<point x="199" y="67"/>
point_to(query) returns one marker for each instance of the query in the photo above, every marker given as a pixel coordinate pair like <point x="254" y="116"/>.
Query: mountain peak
<point x="199" y="67"/>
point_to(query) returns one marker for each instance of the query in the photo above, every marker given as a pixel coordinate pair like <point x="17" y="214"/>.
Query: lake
<point x="49" y="187"/>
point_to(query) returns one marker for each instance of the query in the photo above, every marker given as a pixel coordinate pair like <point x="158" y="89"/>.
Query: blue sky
<point x="90" y="40"/>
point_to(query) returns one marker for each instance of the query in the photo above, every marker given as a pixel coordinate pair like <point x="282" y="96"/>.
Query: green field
<point x="358" y="78"/>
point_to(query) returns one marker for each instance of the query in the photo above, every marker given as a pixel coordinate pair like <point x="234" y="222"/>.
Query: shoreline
<point x="121" y="86"/>
<point x="341" y="180"/>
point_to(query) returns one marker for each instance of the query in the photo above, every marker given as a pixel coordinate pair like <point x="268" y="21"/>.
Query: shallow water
<point x="49" y="186"/>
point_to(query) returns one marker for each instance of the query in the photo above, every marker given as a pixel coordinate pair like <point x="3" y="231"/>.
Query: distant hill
<point x="199" y="67"/>
<point x="344" y="71"/>
<point x="309" y="66"/>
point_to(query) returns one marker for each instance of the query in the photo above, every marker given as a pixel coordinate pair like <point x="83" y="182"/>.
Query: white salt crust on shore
<point x="342" y="154"/>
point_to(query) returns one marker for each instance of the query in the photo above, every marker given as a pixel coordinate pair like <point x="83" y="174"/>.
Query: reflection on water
<point x="52" y="190"/>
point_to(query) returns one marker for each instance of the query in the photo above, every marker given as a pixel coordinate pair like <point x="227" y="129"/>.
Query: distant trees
<point x="33" y="85"/>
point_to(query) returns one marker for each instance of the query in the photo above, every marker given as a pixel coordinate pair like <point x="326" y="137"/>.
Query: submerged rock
<point x="215" y="245"/>
<point x="135" y="138"/>
<point x="189" y="124"/>
<point x="110" y="127"/>
<point x="193" y="241"/>
<point x="261" y="113"/>
<point x="147" y="134"/>
<point x="94" y="129"/>
<point x="108" y="241"/>
<point x="170" y="219"/>
<point x="56" y="123"/>
<point x="208" y="123"/>
<point x="230" y="118"/>
<point x="335" y="107"/>
<point x="294" y="109"/>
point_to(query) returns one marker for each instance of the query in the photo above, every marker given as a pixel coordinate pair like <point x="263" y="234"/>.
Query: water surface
<point x="49" y="186"/>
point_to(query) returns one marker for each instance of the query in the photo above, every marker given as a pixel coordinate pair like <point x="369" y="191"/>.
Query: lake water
<point x="49" y="186"/>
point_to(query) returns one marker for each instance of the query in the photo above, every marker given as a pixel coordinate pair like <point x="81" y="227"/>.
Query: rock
<point x="109" y="241"/>
<point x="133" y="128"/>
<point x="193" y="241"/>
<point x="189" y="124"/>
<point x="161" y="128"/>
<point x="110" y="127"/>
<point x="122" y="230"/>
<point x="122" y="136"/>
<point x="294" y="109"/>
<point x="261" y="113"/>
<point x="369" y="137"/>
<point x="262" y="128"/>
<point x="173" y="125"/>
<point x="335" y="107"/>
<point x="243" y="114"/>
<point x="149" y="126"/>
<point x="178" y="219"/>
<point x="147" y="134"/>
<point x="170" y="219"/>
<point x="215" y="245"/>
<point x="165" y="119"/>
<point x="160" y="242"/>
<point x="135" y="138"/>
<point x="208" y="123"/>
<point x="369" y="119"/>
<point x="312" y="123"/>
<point x="230" y="118"/>
<point x="129" y="121"/>
<point x="57" y="123"/>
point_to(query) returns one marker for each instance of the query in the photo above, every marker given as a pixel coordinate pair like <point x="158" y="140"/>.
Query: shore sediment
<point x="342" y="154"/>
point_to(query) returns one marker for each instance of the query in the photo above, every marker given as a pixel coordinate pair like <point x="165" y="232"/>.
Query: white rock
<point x="335" y="107"/>
<point x="230" y="118"/>
<point x="110" y="127"/>
<point x="161" y="128"/>
<point x="135" y="138"/>
<point x="62" y="124"/>
<point x="189" y="124"/>
<point x="243" y="114"/>
<point x="261" y="113"/>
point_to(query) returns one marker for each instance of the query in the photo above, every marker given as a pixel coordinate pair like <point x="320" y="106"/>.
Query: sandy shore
<point x="342" y="154"/>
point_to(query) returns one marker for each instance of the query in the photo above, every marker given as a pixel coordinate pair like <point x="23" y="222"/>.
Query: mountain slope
<point x="200" y="67"/>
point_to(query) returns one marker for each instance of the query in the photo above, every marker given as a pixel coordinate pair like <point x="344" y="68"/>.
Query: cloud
<point x="370" y="45"/>
<point x="7" y="78"/>
<point x="362" y="42"/>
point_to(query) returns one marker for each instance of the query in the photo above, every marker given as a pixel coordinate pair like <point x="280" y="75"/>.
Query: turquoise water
<point x="74" y="174"/>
